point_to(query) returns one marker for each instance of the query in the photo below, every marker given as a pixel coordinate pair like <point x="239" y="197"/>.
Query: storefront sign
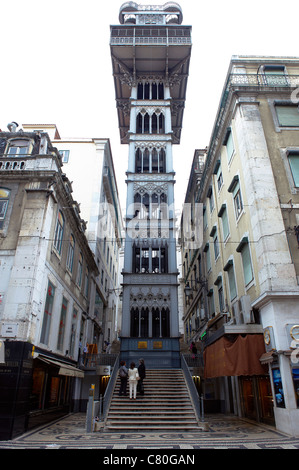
<point x="9" y="330"/>
<point x="103" y="370"/>
<point x="142" y="344"/>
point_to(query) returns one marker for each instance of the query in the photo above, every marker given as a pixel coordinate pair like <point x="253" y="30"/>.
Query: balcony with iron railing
<point x="153" y="36"/>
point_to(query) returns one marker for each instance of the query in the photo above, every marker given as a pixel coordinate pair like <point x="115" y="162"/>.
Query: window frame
<point x="48" y="310"/>
<point x="230" y="271"/>
<point x="18" y="154"/>
<point x="3" y="200"/>
<point x="244" y="245"/>
<point x="71" y="254"/>
<point x="59" y="232"/>
<point x="229" y="139"/>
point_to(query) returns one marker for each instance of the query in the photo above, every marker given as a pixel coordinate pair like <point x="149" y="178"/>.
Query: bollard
<point x="89" y="411"/>
<point x="202" y="408"/>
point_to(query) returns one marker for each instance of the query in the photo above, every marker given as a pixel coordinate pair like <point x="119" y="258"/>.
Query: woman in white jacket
<point x="133" y="377"/>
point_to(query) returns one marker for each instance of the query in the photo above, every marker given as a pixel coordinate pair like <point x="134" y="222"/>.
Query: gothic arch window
<point x="151" y="90"/>
<point x="156" y="319"/>
<point x="144" y="322"/>
<point x="150" y="160"/>
<point x="150" y="259"/>
<point x="150" y="124"/>
<point x="165" y="325"/>
<point x="141" y="205"/>
<point x="134" y="322"/>
<point x="159" y="206"/>
<point x="158" y="123"/>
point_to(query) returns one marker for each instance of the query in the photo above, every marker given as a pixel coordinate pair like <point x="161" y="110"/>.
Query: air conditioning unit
<point x="235" y="314"/>
<point x="244" y="310"/>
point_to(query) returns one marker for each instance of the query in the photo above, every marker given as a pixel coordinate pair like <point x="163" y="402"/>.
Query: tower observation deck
<point x="150" y="51"/>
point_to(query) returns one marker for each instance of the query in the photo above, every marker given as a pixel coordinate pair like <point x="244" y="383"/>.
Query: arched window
<point x="150" y="160"/>
<point x="58" y="237"/>
<point x="141" y="205"/>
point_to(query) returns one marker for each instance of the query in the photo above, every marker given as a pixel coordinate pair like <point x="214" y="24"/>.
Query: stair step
<point x="166" y="405"/>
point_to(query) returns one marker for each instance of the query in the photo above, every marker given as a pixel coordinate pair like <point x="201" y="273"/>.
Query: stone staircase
<point x="165" y="406"/>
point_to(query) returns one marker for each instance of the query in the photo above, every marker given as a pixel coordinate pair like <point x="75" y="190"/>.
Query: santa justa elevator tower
<point x="150" y="51"/>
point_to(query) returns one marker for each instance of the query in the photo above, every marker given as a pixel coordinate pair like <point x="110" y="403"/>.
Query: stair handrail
<point x="110" y="388"/>
<point x="192" y="389"/>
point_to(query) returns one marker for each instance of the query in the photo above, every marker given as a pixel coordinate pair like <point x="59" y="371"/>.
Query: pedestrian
<point x="133" y="378"/>
<point x="123" y="374"/>
<point x="141" y="372"/>
<point x="193" y="349"/>
<point x="85" y="353"/>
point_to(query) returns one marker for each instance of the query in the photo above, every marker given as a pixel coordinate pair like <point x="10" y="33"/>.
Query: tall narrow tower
<point x="150" y="52"/>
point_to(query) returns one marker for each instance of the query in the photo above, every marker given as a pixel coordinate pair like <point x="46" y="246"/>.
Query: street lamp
<point x="188" y="289"/>
<point x="118" y="291"/>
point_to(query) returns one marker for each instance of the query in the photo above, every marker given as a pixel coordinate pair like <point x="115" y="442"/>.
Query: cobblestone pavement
<point x="225" y="432"/>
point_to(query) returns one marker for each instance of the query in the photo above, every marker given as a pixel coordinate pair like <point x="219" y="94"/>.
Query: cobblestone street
<point x="225" y="432"/>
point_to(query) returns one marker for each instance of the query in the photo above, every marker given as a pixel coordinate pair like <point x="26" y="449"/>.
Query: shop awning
<point x="64" y="368"/>
<point x="235" y="356"/>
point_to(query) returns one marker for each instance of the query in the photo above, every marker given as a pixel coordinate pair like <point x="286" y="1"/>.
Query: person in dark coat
<point x="123" y="374"/>
<point x="141" y="372"/>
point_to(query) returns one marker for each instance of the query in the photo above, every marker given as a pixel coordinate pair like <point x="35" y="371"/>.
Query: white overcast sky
<point x="56" y="66"/>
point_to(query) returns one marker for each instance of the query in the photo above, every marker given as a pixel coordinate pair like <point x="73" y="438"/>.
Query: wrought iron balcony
<point x="150" y="41"/>
<point x="262" y="80"/>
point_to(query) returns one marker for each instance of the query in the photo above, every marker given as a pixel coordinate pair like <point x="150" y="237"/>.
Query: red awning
<point x="237" y="357"/>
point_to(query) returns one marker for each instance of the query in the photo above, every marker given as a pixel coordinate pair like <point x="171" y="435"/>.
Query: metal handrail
<point x="196" y="399"/>
<point x="110" y="388"/>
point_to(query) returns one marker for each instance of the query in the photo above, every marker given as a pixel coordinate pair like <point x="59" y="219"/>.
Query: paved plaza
<point x="225" y="432"/>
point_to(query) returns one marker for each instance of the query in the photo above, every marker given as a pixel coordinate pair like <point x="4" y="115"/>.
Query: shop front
<point x="52" y="389"/>
<point x="233" y="363"/>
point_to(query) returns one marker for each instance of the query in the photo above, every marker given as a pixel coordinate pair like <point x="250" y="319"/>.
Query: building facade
<point x="90" y="159"/>
<point x="150" y="52"/>
<point x="48" y="278"/>
<point x="244" y="306"/>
